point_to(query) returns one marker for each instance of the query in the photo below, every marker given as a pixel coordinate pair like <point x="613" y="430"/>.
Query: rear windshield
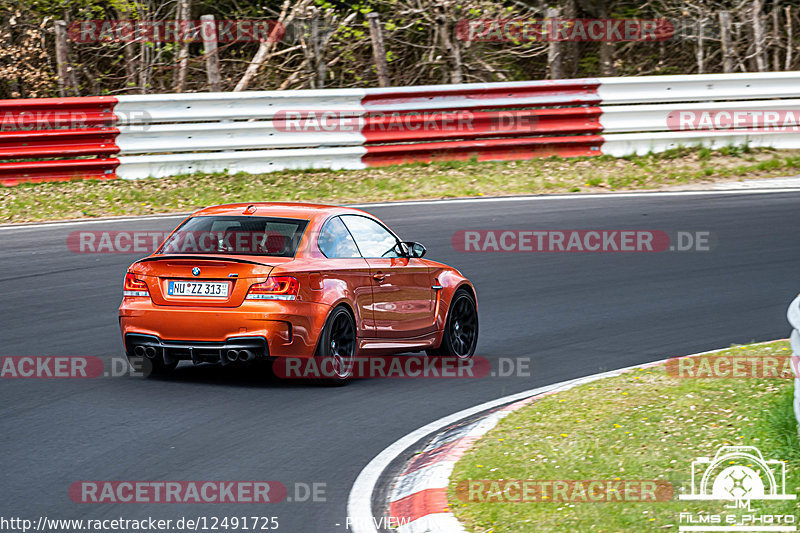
<point x="236" y="235"/>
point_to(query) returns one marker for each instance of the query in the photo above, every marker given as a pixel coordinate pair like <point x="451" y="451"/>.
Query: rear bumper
<point x="242" y="348"/>
<point x="288" y="329"/>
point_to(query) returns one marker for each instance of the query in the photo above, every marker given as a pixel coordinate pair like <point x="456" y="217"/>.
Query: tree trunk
<point x="67" y="84"/>
<point x="265" y="48"/>
<point x="378" y="50"/>
<point x="570" y="49"/>
<point x="261" y="55"/>
<point x="607" y="67"/>
<point x="184" y="15"/>
<point x="700" y="36"/>
<point x="725" y="38"/>
<point x="606" y="50"/>
<point x="776" y="40"/>
<point x="131" y="62"/>
<point x="129" y="52"/>
<point x="758" y="36"/>
<point x="555" y="54"/>
<point x="209" y="29"/>
<point x="318" y="48"/>
<point x="789" y="43"/>
<point x="144" y="67"/>
<point x="451" y="51"/>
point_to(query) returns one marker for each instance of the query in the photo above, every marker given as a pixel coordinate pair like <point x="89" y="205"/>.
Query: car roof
<point x="279" y="209"/>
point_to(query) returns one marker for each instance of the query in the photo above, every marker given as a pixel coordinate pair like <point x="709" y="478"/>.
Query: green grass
<point x="643" y="424"/>
<point x="448" y="179"/>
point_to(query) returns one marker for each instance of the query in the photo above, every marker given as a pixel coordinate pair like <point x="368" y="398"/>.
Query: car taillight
<point x="277" y="288"/>
<point x="134" y="287"/>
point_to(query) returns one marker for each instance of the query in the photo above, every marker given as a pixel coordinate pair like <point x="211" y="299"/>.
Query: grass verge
<point x="641" y="425"/>
<point x="79" y="199"/>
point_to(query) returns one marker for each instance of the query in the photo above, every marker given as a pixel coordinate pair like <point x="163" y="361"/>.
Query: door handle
<point x="379" y="277"/>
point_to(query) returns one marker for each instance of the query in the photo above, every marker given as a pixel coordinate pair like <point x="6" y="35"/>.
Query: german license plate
<point x="209" y="289"/>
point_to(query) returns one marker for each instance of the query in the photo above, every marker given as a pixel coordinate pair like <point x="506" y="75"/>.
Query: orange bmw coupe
<point x="244" y="282"/>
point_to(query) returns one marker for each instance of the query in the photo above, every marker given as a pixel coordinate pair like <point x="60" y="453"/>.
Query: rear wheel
<point x="336" y="350"/>
<point x="461" y="330"/>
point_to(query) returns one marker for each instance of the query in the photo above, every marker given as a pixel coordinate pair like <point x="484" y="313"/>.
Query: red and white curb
<point x="419" y="494"/>
<point x="418" y="497"/>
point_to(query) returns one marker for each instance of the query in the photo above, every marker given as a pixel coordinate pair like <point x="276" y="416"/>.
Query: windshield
<point x="236" y="235"/>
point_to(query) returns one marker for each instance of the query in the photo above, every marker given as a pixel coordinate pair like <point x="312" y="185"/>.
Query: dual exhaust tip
<point x="231" y="355"/>
<point x="239" y="355"/>
<point x="145" y="351"/>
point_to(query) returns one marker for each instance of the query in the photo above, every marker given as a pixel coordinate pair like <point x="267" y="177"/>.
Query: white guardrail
<point x="169" y="134"/>
<point x="794" y="319"/>
<point x="166" y="134"/>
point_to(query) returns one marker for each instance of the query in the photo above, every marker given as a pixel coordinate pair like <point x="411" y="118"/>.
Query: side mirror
<point x="400" y="249"/>
<point x="416" y="249"/>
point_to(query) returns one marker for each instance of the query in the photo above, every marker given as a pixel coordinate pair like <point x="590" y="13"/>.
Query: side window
<point x="372" y="238"/>
<point x="335" y="241"/>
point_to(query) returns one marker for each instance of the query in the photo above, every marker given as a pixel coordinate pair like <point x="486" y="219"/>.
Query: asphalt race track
<point x="572" y="314"/>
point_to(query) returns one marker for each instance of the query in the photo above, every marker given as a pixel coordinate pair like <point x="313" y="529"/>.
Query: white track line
<point x="578" y="197"/>
<point x="56" y="224"/>
<point x="359" y="502"/>
<point x="38" y="225"/>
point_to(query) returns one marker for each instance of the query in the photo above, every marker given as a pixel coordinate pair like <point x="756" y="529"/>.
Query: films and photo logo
<point x="739" y="475"/>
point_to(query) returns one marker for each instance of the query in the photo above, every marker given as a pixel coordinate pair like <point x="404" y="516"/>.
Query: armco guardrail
<point x="137" y="136"/>
<point x="794" y="319"/>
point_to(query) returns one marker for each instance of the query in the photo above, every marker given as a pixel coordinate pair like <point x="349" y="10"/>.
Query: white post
<point x="209" y="29"/>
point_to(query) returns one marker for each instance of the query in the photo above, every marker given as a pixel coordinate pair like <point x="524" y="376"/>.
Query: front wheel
<point x="461" y="330"/>
<point x="336" y="350"/>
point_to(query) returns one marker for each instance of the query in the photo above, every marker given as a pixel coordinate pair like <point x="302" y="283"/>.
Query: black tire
<point x="336" y="349"/>
<point x="461" y="329"/>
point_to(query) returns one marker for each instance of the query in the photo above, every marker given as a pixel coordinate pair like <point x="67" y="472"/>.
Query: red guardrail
<point x="486" y="121"/>
<point x="53" y="113"/>
<point x="484" y="149"/>
<point x="55" y="143"/>
<point x="39" y="130"/>
<point x="58" y="170"/>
